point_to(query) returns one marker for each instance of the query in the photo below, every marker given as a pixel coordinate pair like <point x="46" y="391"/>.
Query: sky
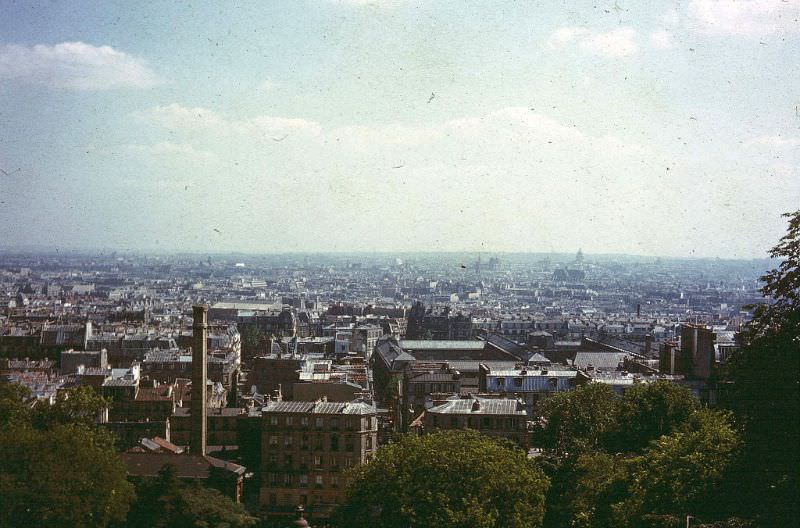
<point x="648" y="128"/>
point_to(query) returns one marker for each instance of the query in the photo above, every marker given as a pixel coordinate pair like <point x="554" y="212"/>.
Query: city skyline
<point x="400" y="126"/>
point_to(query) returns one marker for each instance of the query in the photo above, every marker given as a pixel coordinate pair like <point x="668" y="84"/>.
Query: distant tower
<point x="579" y="257"/>
<point x="197" y="440"/>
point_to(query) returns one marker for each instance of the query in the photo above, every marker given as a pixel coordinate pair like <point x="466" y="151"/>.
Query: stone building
<point x="498" y="417"/>
<point x="306" y="447"/>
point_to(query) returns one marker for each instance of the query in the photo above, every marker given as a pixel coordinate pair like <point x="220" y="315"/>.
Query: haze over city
<point x="619" y="127"/>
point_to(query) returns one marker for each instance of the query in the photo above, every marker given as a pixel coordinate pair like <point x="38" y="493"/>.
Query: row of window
<point x="517" y="382"/>
<point x="289" y="480"/>
<point x="428" y="388"/>
<point x="320" y="422"/>
<point x="318" y="443"/>
<point x="486" y="423"/>
<point x="318" y="461"/>
<point x="293" y="500"/>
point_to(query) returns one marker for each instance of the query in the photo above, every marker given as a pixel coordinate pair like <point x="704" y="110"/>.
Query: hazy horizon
<point x="164" y="252"/>
<point x="397" y="126"/>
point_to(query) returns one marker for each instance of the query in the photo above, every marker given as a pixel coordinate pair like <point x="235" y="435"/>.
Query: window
<point x="453" y="422"/>
<point x="303" y="481"/>
<point x="304" y="442"/>
<point x="518" y="382"/>
<point x="289" y="420"/>
<point x="334" y="423"/>
<point x="334" y="442"/>
<point x="501" y="382"/>
<point x="273" y="479"/>
<point x="303" y="499"/>
<point x="287" y="441"/>
<point x="318" y="460"/>
<point x="369" y="442"/>
<point x="273" y="499"/>
<point x="318" y="481"/>
<point x="319" y="422"/>
<point x="273" y="420"/>
<point x="287" y="460"/>
<point x="334" y="481"/>
<point x="273" y="440"/>
<point x="304" y="421"/>
<point x="273" y="458"/>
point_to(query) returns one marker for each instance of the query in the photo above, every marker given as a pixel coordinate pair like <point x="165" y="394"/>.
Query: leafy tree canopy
<point x="650" y="410"/>
<point x="452" y="478"/>
<point x="81" y="405"/>
<point x="168" y="503"/>
<point x="579" y="420"/>
<point x="13" y="406"/>
<point x="764" y="379"/>
<point x="680" y="473"/>
<point x="68" y="475"/>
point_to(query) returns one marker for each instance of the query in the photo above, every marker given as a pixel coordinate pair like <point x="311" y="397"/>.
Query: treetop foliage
<point x="451" y="478"/>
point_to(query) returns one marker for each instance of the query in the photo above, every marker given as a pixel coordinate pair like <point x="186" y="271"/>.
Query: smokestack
<point x="197" y="440"/>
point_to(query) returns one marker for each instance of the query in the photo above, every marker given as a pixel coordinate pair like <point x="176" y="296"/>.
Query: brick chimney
<point x="197" y="440"/>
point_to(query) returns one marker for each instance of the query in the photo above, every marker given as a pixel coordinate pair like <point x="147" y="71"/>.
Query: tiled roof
<point x="319" y="407"/>
<point x="187" y="466"/>
<point x="603" y="360"/>
<point x="413" y="344"/>
<point x="484" y="406"/>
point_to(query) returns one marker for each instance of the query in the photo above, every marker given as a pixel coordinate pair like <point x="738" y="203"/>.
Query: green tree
<point x="13" y="406"/>
<point x="254" y="341"/>
<point x="452" y="478"/>
<point x="583" y="490"/>
<point x="578" y="421"/>
<point x="600" y="482"/>
<point x="682" y="473"/>
<point x="81" y="405"/>
<point x="166" y="502"/>
<point x="650" y="410"/>
<point x="68" y="475"/>
<point x="764" y="376"/>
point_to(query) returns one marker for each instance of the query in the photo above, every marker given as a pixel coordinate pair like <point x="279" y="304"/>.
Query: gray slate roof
<point x="319" y="407"/>
<point x="481" y="406"/>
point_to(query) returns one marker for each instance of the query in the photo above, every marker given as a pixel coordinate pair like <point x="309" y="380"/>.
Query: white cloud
<point x="661" y="39"/>
<point x="774" y="141"/>
<point x="75" y="65"/>
<point x="172" y="149"/>
<point x="267" y="85"/>
<point x="372" y="3"/>
<point x="618" y="42"/>
<point x="178" y="117"/>
<point x="566" y="34"/>
<point x="748" y="18"/>
<point x="615" y="43"/>
<point x="519" y="178"/>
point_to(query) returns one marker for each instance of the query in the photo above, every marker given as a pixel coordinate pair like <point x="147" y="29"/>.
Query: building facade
<point x="306" y="447"/>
